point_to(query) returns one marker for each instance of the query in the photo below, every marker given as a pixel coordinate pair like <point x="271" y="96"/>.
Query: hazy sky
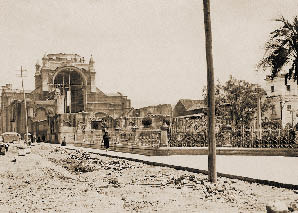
<point x="153" y="51"/>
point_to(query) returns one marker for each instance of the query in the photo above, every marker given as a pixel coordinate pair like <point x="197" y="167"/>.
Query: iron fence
<point x="186" y="132"/>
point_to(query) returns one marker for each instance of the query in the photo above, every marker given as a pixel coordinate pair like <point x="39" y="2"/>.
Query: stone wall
<point x="142" y="141"/>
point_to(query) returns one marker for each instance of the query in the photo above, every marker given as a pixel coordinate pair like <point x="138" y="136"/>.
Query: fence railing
<point x="268" y="138"/>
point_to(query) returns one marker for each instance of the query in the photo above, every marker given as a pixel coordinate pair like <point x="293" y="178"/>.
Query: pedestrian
<point x="106" y="140"/>
<point x="6" y="147"/>
<point x="63" y="142"/>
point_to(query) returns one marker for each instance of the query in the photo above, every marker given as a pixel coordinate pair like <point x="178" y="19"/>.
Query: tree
<point x="282" y="49"/>
<point x="147" y="121"/>
<point x="236" y="100"/>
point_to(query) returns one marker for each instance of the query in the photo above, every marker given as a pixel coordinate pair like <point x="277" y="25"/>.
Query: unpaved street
<point x="52" y="179"/>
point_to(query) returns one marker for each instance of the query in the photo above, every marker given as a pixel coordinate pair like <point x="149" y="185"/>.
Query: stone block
<point x="293" y="207"/>
<point x="276" y="207"/>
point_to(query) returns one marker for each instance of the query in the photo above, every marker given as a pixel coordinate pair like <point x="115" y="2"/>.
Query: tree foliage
<point x="236" y="101"/>
<point x="147" y="121"/>
<point x="281" y="50"/>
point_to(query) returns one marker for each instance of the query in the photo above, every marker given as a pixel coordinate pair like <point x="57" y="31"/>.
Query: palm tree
<point x="281" y="50"/>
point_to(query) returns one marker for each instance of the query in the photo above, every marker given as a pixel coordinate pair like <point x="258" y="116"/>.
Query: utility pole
<point x="292" y="111"/>
<point x="69" y="93"/>
<point x="211" y="101"/>
<point x="259" y="116"/>
<point x="64" y="99"/>
<point x="25" y="105"/>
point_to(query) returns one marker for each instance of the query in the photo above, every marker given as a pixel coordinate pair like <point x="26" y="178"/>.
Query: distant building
<point x="158" y="113"/>
<point x="161" y="109"/>
<point x="189" y="107"/>
<point x="284" y="95"/>
<point x="64" y="103"/>
<point x="11" y="108"/>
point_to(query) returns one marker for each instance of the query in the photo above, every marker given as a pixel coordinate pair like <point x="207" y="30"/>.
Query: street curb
<point x="201" y="171"/>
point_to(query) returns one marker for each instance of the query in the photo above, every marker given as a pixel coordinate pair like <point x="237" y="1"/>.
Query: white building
<point x="284" y="95"/>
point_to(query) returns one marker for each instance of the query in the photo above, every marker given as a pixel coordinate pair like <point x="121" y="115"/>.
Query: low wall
<point x="67" y="133"/>
<point x="291" y="152"/>
<point x="165" y="151"/>
<point x="142" y="150"/>
<point x="154" y="142"/>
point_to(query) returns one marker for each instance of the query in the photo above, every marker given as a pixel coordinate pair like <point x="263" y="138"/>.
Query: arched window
<point x="71" y="85"/>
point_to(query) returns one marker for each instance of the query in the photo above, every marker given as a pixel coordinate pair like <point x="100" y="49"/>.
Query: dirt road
<point x="52" y="179"/>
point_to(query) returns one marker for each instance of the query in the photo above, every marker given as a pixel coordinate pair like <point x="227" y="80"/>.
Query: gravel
<point x="52" y="178"/>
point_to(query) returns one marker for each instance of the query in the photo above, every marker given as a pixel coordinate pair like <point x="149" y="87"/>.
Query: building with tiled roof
<point x="188" y="107"/>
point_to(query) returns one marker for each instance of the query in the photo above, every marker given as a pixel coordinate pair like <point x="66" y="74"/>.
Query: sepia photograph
<point x="148" y="106"/>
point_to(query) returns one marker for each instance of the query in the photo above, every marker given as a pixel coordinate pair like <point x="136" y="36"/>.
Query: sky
<point x="152" y="51"/>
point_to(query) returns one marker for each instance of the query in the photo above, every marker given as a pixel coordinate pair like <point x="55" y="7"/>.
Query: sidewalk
<point x="271" y="170"/>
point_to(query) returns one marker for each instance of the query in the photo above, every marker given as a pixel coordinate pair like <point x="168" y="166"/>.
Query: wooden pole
<point x="211" y="101"/>
<point x="281" y="107"/>
<point x="25" y="106"/>
<point x="69" y="89"/>
<point x="64" y="99"/>
<point x="259" y="117"/>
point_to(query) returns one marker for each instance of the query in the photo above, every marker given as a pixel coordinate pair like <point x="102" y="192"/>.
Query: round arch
<point x="70" y="69"/>
<point x="72" y="83"/>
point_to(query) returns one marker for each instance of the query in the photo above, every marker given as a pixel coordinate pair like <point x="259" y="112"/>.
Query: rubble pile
<point x="53" y="178"/>
<point x="81" y="162"/>
<point x="224" y="191"/>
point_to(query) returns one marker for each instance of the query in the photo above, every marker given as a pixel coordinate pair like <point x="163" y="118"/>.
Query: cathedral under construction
<point x="65" y="102"/>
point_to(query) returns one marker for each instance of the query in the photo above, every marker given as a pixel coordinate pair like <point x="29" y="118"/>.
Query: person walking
<point x="106" y="140"/>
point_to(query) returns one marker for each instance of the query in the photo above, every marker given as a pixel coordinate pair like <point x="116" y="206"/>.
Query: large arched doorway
<point x="72" y="87"/>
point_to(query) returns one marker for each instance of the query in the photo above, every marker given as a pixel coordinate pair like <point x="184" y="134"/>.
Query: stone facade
<point x="284" y="96"/>
<point x="12" y="109"/>
<point x="65" y="100"/>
